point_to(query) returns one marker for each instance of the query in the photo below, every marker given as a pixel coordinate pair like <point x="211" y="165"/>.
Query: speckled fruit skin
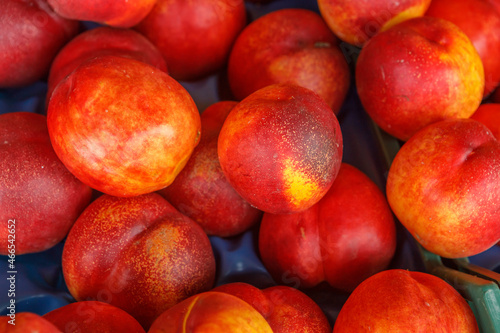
<point x="400" y="301"/>
<point x="355" y="22"/>
<point x="27" y="322"/>
<point x="139" y="254"/>
<point x="346" y="237"/>
<point x="281" y="148"/>
<point x="418" y="72"/>
<point x="211" y="312"/>
<point x="489" y="114"/>
<point x="444" y="187"/>
<point x="202" y="192"/>
<point x="480" y="21"/>
<point x="289" y="45"/>
<point x="286" y="309"/>
<point x="115" y="13"/>
<point x="36" y="189"/>
<point x="121" y="126"/>
<point x="93" y="316"/>
<point x="194" y="36"/>
<point x="100" y="41"/>
<point x="32" y="34"/>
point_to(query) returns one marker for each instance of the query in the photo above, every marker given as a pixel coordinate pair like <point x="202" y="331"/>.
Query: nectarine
<point x="211" y="311"/>
<point x="355" y="22"/>
<point x="196" y="36"/>
<point x="32" y="34"/>
<point x="286" y="309"/>
<point x="116" y="13"/>
<point x="346" y="237"/>
<point x="139" y="254"/>
<point x="480" y="21"/>
<point x="38" y="194"/>
<point x="122" y="126"/>
<point x="489" y="114"/>
<point x="289" y="45"/>
<point x="202" y="192"/>
<point x="281" y="148"/>
<point x="27" y="322"/>
<point x="99" y="41"/>
<point x="93" y="316"/>
<point x="418" y="72"/>
<point x="401" y="301"/>
<point x="444" y="187"/>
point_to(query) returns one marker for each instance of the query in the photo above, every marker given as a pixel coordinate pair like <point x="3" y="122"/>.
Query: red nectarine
<point x="139" y="254"/>
<point x="202" y="192"/>
<point x="286" y="309"/>
<point x="346" y="237"/>
<point x="401" y="301"/>
<point x="38" y="194"/>
<point x="418" y="72"/>
<point x="289" y="45"/>
<point x="489" y="114"/>
<point x="32" y="34"/>
<point x="196" y="36"/>
<point x="116" y="13"/>
<point x="444" y="187"/>
<point x="281" y="148"/>
<point x="211" y="312"/>
<point x="27" y="322"/>
<point x="93" y="316"/>
<point x="99" y="41"/>
<point x="355" y="22"/>
<point x="480" y="21"/>
<point x="122" y="126"/>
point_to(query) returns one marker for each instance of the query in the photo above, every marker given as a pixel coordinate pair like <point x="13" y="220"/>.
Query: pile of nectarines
<point x="134" y="175"/>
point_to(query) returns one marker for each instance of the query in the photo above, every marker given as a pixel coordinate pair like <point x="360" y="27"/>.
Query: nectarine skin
<point x="281" y="148"/>
<point x="202" y="192"/>
<point x="489" y="114"/>
<point x="37" y="192"/>
<point x="355" y="22"/>
<point x="444" y="187"/>
<point x="289" y="45"/>
<point x="116" y="13"/>
<point x="93" y="316"/>
<point x="32" y="34"/>
<point x="250" y="294"/>
<point x="401" y="301"/>
<point x="139" y="254"/>
<point x="211" y="311"/>
<point x="286" y="309"/>
<point x="99" y="41"/>
<point x="480" y="21"/>
<point x="196" y="36"/>
<point x="27" y="322"/>
<point x="419" y="71"/>
<point x="346" y="237"/>
<point x="122" y="126"/>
